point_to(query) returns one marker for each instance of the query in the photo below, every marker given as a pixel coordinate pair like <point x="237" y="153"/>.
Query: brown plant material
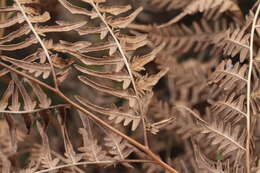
<point x="79" y="78"/>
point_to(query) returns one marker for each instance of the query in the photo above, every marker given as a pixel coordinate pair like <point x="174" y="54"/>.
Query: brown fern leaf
<point x="92" y="151"/>
<point x="12" y="131"/>
<point x="233" y="42"/>
<point x="255" y="97"/>
<point x="162" y="117"/>
<point x="228" y="138"/>
<point x="15" y="104"/>
<point x="120" y="76"/>
<point x="113" y="113"/>
<point x="118" y="148"/>
<point x="146" y="83"/>
<point x="38" y="55"/>
<point x="138" y="62"/>
<point x="186" y="126"/>
<point x="120" y="63"/>
<point x="46" y="158"/>
<point x="23" y="30"/>
<point x="169" y="4"/>
<point x="183" y="38"/>
<point x="229" y="76"/>
<point x="117" y="57"/>
<point x="29" y="104"/>
<point x="208" y="165"/>
<point x="7" y="94"/>
<point x="36" y="68"/>
<point x="122" y="22"/>
<point x="35" y="62"/>
<point x="6" y="164"/>
<point x="219" y="6"/>
<point x="191" y="87"/>
<point x="70" y="154"/>
<point x="230" y="109"/>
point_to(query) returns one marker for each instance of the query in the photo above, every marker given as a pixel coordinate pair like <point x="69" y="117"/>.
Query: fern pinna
<point x="78" y="86"/>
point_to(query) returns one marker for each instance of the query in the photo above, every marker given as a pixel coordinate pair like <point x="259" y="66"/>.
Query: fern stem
<point x="251" y="59"/>
<point x="35" y="110"/>
<point x="143" y="148"/>
<point x="127" y="66"/>
<point x="40" y="41"/>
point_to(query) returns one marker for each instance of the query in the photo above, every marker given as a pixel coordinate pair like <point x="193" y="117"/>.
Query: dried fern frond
<point x="208" y="165"/>
<point x="103" y="58"/>
<point x="117" y="56"/>
<point x="216" y="6"/>
<point x="114" y="113"/>
<point x="228" y="138"/>
<point x="183" y="38"/>
<point x="46" y="158"/>
<point x="70" y="154"/>
<point x="108" y="23"/>
<point x="36" y="68"/>
<point x="190" y="88"/>
<point x="169" y="4"/>
<point x="234" y="42"/>
<point x="255" y="97"/>
<point x="231" y="108"/>
<point x="229" y="76"/>
<point x="90" y="149"/>
<point x="119" y="149"/>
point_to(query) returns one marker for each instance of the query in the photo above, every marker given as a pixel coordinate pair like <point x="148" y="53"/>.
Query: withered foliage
<point x="77" y="86"/>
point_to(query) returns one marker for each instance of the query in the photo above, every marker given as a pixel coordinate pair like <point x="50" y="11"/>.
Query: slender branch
<point x="40" y="41"/>
<point x="94" y="117"/>
<point x="35" y="110"/>
<point x="127" y="66"/>
<point x="92" y="163"/>
<point x="251" y="59"/>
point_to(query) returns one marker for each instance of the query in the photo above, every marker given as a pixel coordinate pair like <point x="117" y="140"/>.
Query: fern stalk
<point x="34" y="110"/>
<point x="251" y="59"/>
<point x="40" y="41"/>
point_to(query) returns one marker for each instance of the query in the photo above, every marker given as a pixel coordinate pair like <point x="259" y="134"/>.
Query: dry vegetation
<point x="129" y="86"/>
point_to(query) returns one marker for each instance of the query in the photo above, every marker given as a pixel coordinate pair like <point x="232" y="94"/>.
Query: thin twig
<point x="251" y="59"/>
<point x="94" y="117"/>
<point x="127" y="66"/>
<point x="35" y="110"/>
<point x="40" y="41"/>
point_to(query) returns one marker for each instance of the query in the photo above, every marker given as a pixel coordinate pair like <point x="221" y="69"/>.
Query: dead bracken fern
<point x="77" y="86"/>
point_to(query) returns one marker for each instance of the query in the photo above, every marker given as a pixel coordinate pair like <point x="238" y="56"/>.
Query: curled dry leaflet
<point x="129" y="86"/>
